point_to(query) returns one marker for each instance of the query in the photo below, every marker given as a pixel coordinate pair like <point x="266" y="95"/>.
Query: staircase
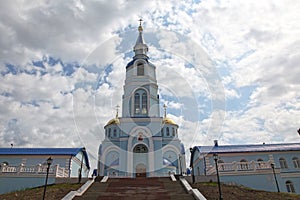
<point x="136" y="188"/>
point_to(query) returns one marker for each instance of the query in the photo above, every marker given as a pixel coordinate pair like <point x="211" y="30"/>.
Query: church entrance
<point x="140" y="160"/>
<point x="140" y="170"/>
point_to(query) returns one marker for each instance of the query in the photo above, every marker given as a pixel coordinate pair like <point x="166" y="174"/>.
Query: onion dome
<point x="167" y="120"/>
<point x="113" y="121"/>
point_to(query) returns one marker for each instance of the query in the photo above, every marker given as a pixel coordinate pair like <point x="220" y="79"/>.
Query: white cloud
<point x="248" y="44"/>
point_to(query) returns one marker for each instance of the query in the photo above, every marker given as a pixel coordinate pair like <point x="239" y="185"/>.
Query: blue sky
<point x="227" y="70"/>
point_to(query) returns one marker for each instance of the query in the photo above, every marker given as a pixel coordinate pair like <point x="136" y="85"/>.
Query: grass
<point x="230" y="192"/>
<point x="53" y="192"/>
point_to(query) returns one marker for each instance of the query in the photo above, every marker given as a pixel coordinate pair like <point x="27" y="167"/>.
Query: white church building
<point x="141" y="142"/>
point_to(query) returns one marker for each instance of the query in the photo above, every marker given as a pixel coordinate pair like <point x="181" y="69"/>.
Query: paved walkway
<point x="137" y="188"/>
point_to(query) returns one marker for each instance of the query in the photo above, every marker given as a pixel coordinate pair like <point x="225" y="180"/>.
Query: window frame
<point x="290" y="186"/>
<point x="283" y="163"/>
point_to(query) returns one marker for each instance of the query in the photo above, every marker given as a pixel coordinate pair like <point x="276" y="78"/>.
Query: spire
<point x="140" y="49"/>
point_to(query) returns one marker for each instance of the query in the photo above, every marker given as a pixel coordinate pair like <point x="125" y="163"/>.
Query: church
<point x="141" y="143"/>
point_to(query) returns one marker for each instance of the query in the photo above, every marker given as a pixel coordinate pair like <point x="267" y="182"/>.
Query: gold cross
<point x="140" y="22"/>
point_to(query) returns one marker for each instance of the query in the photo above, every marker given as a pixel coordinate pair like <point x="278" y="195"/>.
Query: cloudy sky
<point x="227" y="70"/>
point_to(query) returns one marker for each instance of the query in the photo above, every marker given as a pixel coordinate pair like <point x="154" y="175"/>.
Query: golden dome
<point x="113" y="121"/>
<point x="167" y="120"/>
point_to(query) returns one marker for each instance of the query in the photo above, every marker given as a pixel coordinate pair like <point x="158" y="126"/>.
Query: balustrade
<point x="239" y="166"/>
<point x="33" y="170"/>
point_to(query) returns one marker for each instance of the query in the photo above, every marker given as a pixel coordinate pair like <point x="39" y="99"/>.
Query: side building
<point x="269" y="167"/>
<point x="141" y="142"/>
<point x="22" y="168"/>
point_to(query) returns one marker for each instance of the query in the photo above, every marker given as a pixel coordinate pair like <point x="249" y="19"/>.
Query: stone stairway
<point x="136" y="188"/>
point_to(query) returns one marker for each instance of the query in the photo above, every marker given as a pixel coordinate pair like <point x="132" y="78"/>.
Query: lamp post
<point x="80" y="170"/>
<point x="49" y="162"/>
<point x="219" y="185"/>
<point x="273" y="168"/>
<point x="193" y="173"/>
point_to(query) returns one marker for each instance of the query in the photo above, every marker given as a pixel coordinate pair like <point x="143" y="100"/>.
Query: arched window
<point x="140" y="148"/>
<point x="144" y="103"/>
<point x="173" y="132"/>
<point x="140" y="69"/>
<point x="140" y="102"/>
<point x="296" y="162"/>
<point x="244" y="164"/>
<point x="109" y="132"/>
<point x="290" y="186"/>
<point x="168" y="131"/>
<point x="283" y="163"/>
<point x="115" y="132"/>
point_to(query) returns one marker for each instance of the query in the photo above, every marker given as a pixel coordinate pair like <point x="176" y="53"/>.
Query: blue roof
<point x="219" y="149"/>
<point x="44" y="151"/>
<point x="249" y="148"/>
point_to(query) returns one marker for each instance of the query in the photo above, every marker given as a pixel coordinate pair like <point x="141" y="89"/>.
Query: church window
<point x="173" y="132"/>
<point x="168" y="131"/>
<point x="244" y="164"/>
<point x="137" y="103"/>
<point x="140" y="69"/>
<point x="140" y="148"/>
<point x="109" y="131"/>
<point x="290" y="186"/>
<point x="115" y="132"/>
<point x="283" y="163"/>
<point x="144" y="103"/>
<point x="296" y="162"/>
<point x="140" y="103"/>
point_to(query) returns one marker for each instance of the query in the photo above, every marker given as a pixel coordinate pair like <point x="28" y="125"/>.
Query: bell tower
<point x="141" y="142"/>
<point x="140" y="97"/>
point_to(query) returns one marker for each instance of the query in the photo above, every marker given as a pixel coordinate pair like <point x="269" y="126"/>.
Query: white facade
<point x="22" y="168"/>
<point x="270" y="167"/>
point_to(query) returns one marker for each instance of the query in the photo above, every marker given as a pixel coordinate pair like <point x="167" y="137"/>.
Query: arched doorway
<point x="141" y="170"/>
<point x="140" y="157"/>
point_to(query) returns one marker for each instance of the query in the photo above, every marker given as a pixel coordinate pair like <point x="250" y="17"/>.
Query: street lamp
<point x="49" y="162"/>
<point x="80" y="171"/>
<point x="219" y="185"/>
<point x="193" y="173"/>
<point x="273" y="168"/>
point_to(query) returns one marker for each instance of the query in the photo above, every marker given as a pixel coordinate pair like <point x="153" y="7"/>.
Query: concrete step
<point x="136" y="188"/>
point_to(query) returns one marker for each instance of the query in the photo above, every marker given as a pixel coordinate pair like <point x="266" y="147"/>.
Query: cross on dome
<point x="117" y="110"/>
